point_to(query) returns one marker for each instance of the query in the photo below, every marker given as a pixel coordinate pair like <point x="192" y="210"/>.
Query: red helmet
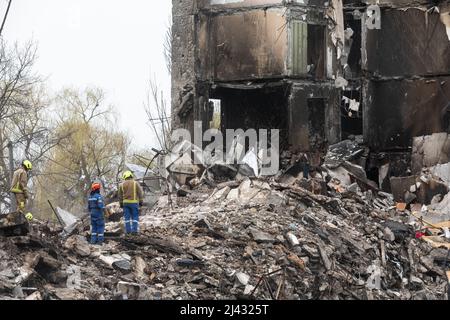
<point x="96" y="186"/>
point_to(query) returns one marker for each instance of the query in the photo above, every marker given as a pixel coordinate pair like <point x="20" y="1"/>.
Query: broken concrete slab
<point x="260" y="236"/>
<point x="346" y="150"/>
<point x="359" y="174"/>
<point x="429" y="151"/>
<point x="242" y="278"/>
<point x="341" y="175"/>
<point x="218" y="195"/>
<point x="293" y="240"/>
<point x="78" y="244"/>
<point x="233" y="195"/>
<point x="247" y="191"/>
<point x="442" y="171"/>
<point x="66" y="217"/>
<point x="442" y="208"/>
<point x="123" y="266"/>
<point x="428" y="191"/>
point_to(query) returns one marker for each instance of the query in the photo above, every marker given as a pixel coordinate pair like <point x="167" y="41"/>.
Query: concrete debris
<point x="252" y="238"/>
<point x="128" y="290"/>
<point x="242" y="278"/>
<point x="429" y="151"/>
<point x="13" y="224"/>
<point x="260" y="236"/>
<point x="79" y="245"/>
<point x="346" y="150"/>
<point x="441" y="171"/>
<point x="66" y="217"/>
<point x="293" y="241"/>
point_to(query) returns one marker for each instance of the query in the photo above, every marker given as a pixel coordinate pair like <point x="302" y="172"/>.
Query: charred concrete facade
<point x="314" y="69"/>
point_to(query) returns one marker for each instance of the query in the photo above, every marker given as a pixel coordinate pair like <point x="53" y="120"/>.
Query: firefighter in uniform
<point x="131" y="197"/>
<point x="96" y="208"/>
<point x="19" y="187"/>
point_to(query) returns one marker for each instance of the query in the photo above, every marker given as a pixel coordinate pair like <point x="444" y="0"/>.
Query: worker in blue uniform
<point x="96" y="208"/>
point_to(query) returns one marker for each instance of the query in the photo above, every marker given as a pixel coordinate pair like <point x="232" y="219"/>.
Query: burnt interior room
<point x="351" y="120"/>
<point x="316" y="51"/>
<point x="354" y="69"/>
<point x="255" y="108"/>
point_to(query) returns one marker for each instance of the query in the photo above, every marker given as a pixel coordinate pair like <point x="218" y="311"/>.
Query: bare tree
<point x="91" y="149"/>
<point x="158" y="117"/>
<point x="22" y="106"/>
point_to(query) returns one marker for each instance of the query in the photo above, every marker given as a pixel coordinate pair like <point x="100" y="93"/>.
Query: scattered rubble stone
<point x="316" y="238"/>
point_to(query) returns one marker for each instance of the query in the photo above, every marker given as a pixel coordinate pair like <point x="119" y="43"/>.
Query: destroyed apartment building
<point x="371" y="221"/>
<point x="320" y="71"/>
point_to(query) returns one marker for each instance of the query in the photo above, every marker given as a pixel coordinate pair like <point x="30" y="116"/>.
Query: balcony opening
<point x="351" y="114"/>
<point x="254" y="107"/>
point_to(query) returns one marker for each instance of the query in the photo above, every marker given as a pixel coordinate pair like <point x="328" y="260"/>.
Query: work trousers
<point x="98" y="229"/>
<point x="131" y="214"/>
<point x="21" y="202"/>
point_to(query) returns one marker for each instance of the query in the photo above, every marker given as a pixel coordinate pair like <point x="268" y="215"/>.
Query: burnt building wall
<point x="314" y="116"/>
<point x="393" y="81"/>
<point x="239" y="45"/>
<point x="406" y="83"/>
<point x="244" y="45"/>
<point x="183" y="63"/>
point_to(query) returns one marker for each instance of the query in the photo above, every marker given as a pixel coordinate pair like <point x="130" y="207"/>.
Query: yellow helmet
<point x="29" y="216"/>
<point x="127" y="175"/>
<point x="27" y="164"/>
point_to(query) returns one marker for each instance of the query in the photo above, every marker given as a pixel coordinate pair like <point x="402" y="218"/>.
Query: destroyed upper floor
<point x="318" y="70"/>
<point x="259" y="39"/>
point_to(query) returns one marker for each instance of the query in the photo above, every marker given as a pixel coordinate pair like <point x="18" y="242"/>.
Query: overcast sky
<point x="113" y="44"/>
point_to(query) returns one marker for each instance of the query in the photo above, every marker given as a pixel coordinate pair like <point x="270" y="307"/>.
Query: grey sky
<point x="116" y="45"/>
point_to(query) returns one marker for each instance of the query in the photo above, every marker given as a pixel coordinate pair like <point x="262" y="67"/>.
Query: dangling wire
<point x="4" y="18"/>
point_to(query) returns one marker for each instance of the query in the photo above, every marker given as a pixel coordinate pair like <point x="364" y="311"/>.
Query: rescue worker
<point x="131" y="197"/>
<point x="19" y="187"/>
<point x="96" y="207"/>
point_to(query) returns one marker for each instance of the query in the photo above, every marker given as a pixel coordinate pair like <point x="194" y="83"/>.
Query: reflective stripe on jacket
<point x="130" y="192"/>
<point x="95" y="201"/>
<point x="19" y="182"/>
<point x="96" y="206"/>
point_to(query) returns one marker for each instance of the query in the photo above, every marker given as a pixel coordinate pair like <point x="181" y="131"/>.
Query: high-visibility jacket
<point x="130" y="191"/>
<point x="19" y="182"/>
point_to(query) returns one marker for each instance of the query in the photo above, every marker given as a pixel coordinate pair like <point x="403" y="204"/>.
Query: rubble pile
<point x="326" y="232"/>
<point x="302" y="246"/>
<point x="244" y="240"/>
